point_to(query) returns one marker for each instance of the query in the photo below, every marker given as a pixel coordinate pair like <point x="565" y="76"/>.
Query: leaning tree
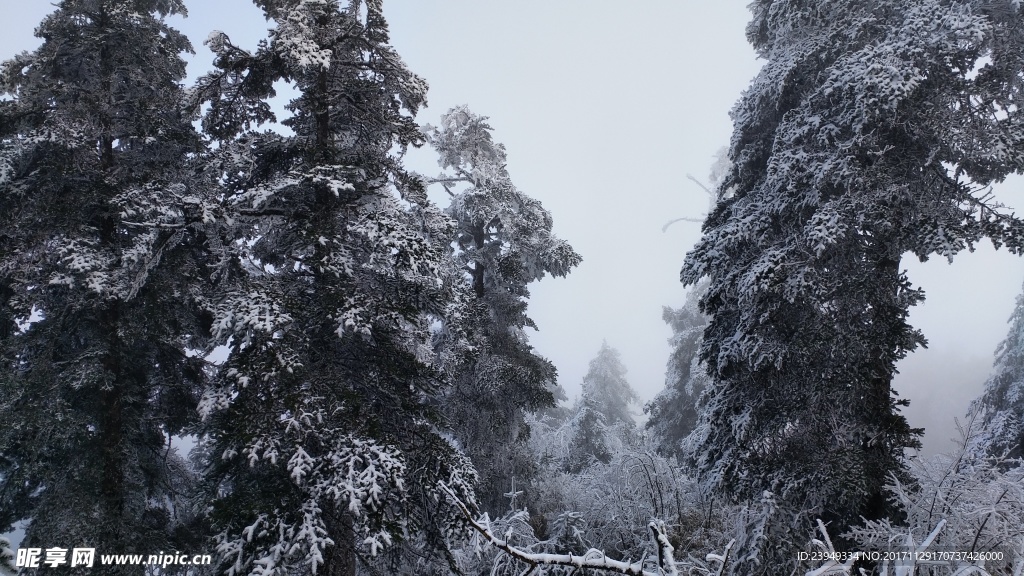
<point x="874" y="129"/>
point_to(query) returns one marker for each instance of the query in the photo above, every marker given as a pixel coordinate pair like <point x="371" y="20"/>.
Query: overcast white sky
<point x="604" y="107"/>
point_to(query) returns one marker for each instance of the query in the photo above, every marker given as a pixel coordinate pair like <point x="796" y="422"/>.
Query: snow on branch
<point x="6" y="558"/>
<point x="832" y="566"/>
<point x="593" y="558"/>
<point x="906" y="565"/>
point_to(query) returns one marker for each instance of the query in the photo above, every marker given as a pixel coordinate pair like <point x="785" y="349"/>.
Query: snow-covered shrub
<point x="621" y="513"/>
<point x="477" y="556"/>
<point x="617" y="500"/>
<point x="766" y="534"/>
<point x="963" y="502"/>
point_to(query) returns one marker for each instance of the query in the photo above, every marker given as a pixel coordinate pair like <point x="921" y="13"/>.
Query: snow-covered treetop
<point x="500" y="228"/>
<point x="606" y="387"/>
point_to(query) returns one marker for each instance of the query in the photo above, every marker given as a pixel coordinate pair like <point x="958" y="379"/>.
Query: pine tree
<point x="503" y="242"/>
<point x="606" y="385"/>
<point x="1000" y="409"/>
<point x="603" y="409"/>
<point x="100" y="272"/>
<point x="871" y="131"/>
<point x="327" y="449"/>
<point x="589" y="442"/>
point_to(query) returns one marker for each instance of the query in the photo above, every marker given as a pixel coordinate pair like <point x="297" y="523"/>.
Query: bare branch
<point x="671" y="222"/>
<point x="699" y="183"/>
<point x="449" y="180"/>
<point x="697" y="220"/>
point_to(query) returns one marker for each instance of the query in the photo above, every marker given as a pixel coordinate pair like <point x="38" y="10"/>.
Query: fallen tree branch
<point x="592" y="559"/>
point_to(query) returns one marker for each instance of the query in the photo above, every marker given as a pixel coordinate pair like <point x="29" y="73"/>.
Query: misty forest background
<point x="234" y="320"/>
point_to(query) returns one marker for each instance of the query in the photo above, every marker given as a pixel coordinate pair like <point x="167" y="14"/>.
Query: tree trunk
<point x="340" y="559"/>
<point x="111" y="425"/>
<point x="478" y="268"/>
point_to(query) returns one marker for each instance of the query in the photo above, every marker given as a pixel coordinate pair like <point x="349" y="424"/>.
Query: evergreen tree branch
<point x="6" y="556"/>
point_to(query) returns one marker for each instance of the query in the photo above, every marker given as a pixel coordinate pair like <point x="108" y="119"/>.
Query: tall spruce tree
<point x="100" y="269"/>
<point x="326" y="448"/>
<point x="589" y="442"/>
<point x="503" y="242"/>
<point x="871" y="131"/>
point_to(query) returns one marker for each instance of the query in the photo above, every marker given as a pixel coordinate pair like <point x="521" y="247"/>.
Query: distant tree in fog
<point x="606" y="385"/>
<point x="604" y="404"/>
<point x="1000" y="409"/>
<point x="674" y="411"/>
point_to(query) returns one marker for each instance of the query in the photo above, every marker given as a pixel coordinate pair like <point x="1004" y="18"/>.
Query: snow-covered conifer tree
<point x="326" y="448"/>
<point x="100" y="267"/>
<point x="503" y="241"/>
<point x="589" y="442"/>
<point x="871" y="131"/>
<point x="7" y="567"/>
<point x="604" y="406"/>
<point x="1000" y="409"/>
<point x="674" y="411"/>
<point x="606" y="385"/>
